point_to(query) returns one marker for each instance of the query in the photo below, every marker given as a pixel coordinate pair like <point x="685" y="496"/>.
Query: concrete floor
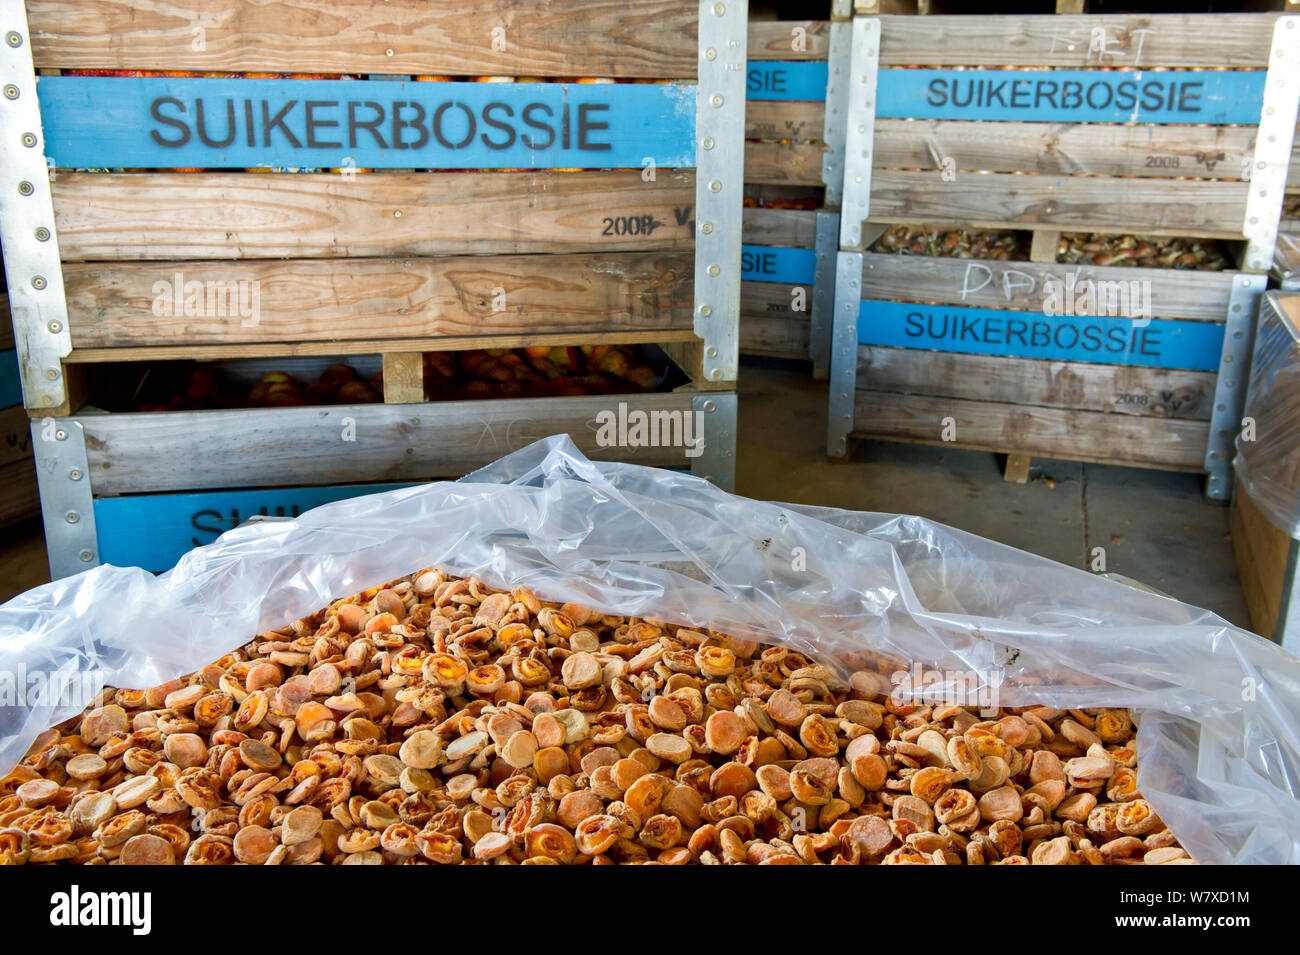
<point x="1156" y="527"/>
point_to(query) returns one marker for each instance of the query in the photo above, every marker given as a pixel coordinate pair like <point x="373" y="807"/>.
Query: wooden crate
<point x="356" y="217"/>
<point x="966" y="340"/>
<point x="792" y="141"/>
<point x="1010" y="123"/>
<point x="778" y="268"/>
<point x="1266" y="502"/>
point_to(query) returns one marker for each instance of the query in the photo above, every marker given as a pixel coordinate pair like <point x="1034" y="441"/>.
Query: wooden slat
<point x="1066" y="149"/>
<point x="1149" y="392"/>
<point x="1047" y="432"/>
<point x="365" y="346"/>
<point x="1019" y="285"/>
<point x="6" y="323"/>
<point x="137" y="453"/>
<point x="791" y="228"/>
<point x="111" y="305"/>
<point x="773" y="299"/>
<point x="784" y="163"/>
<point x="777" y="337"/>
<point x="1003" y="200"/>
<point x="18" y="495"/>
<point x="776" y="39"/>
<point x="1189" y="40"/>
<point x="1262" y="551"/>
<point x="237" y="215"/>
<point x="654" y="38"/>
<point x="773" y="119"/>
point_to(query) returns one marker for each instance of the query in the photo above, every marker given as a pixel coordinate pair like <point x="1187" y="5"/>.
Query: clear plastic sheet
<point x="1219" y="708"/>
<point x="1268" y="464"/>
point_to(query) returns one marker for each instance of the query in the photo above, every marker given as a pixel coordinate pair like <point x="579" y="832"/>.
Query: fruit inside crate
<point x="1074" y="248"/>
<point x="479" y="374"/>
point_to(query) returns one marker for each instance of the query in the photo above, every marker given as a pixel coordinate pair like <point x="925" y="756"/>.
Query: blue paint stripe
<point x="1073" y="96"/>
<point x="768" y="263"/>
<point x="151" y="122"/>
<point x="154" y="531"/>
<point x="803" y="80"/>
<point x="1160" y="343"/>
<point x="11" y="389"/>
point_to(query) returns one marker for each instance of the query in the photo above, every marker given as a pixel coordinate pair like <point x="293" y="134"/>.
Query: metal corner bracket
<point x="67" y="505"/>
<point x="31" y="248"/>
<point x="719" y="182"/>
<point x="717" y="462"/>
<point x="1231" y="384"/>
<point x="844" y="352"/>
<point x="861" y="128"/>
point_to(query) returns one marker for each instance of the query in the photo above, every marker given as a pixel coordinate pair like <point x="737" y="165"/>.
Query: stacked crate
<point x="1148" y="125"/>
<point x="793" y="174"/>
<point x="373" y="222"/>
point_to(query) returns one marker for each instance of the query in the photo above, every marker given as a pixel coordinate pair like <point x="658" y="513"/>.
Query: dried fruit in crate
<point x="539" y="371"/>
<point x="1078" y="248"/>
<point x="437" y="720"/>
<point x="953" y="243"/>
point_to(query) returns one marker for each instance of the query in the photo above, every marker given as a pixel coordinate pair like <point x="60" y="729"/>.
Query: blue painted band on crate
<point x="1146" y="343"/>
<point x="154" y="531"/>
<point x="11" y="389"/>
<point x="162" y="122"/>
<point x="798" y="80"/>
<point x="767" y="263"/>
<point x="1073" y="96"/>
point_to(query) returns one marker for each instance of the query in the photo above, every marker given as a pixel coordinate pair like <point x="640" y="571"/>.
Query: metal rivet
<point x="710" y="54"/>
<point x="707" y="228"/>
<point x="716" y="99"/>
<point x="397" y="213"/>
<point x="708" y="142"/>
<point x="75" y="474"/>
<point x="715" y="186"/>
<point x="11" y="91"/>
<point x="60" y="434"/>
<point x="719" y="8"/>
<point x="72" y="517"/>
<point x="38" y="282"/>
<point x="711" y="352"/>
<point x="706" y="310"/>
<point x="25" y="188"/>
<point x="710" y="406"/>
<point x="52" y="374"/>
<point x="42" y="234"/>
<point x="14" y="38"/>
<point x="29" y="140"/>
<point x="55" y="327"/>
<point x="715" y="270"/>
<point x="388" y="53"/>
<point x="715" y="374"/>
<point x="86" y="555"/>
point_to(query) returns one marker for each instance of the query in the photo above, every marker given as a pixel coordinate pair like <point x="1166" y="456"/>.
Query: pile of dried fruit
<point x="954" y="243"/>
<point x="437" y="720"/>
<point x="1153" y="253"/>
